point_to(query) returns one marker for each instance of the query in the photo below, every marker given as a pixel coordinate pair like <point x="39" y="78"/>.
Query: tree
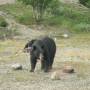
<point x="54" y="7"/>
<point x="38" y="6"/>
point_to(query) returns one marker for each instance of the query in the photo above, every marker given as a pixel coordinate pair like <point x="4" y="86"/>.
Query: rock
<point x="65" y="35"/>
<point x="16" y="66"/>
<point x="55" y="76"/>
<point x="62" y="74"/>
<point x="68" y="69"/>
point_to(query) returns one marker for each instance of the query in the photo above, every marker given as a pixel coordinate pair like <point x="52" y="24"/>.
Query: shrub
<point x="3" y="23"/>
<point x="85" y="3"/>
<point x="88" y="4"/>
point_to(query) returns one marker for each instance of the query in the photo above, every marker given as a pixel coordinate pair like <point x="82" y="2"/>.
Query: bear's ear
<point x="28" y="46"/>
<point x="30" y="43"/>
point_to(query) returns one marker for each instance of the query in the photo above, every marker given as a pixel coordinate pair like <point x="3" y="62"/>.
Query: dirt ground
<point x="74" y="51"/>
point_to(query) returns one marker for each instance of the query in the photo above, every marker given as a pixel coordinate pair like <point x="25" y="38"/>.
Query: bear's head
<point x="28" y="46"/>
<point x="35" y="48"/>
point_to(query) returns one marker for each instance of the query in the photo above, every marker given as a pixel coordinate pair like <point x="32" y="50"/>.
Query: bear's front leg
<point x="33" y="63"/>
<point x="42" y="64"/>
<point x="46" y="68"/>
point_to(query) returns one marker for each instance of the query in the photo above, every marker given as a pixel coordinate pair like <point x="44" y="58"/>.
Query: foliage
<point x="72" y="18"/>
<point x="39" y="7"/>
<point x="88" y="4"/>
<point x="69" y="17"/>
<point x="85" y="3"/>
<point x="54" y="7"/>
<point x="3" y="23"/>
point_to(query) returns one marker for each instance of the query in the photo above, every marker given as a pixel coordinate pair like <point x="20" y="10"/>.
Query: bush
<point x="85" y="3"/>
<point x="3" y="23"/>
<point x="88" y="4"/>
<point x="54" y="7"/>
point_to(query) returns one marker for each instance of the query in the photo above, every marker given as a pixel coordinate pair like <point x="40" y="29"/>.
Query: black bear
<point x="43" y="49"/>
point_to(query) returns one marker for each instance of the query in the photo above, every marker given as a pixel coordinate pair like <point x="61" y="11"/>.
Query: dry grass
<point x="68" y="53"/>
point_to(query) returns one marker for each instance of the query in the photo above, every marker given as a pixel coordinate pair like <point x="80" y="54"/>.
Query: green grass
<point x="20" y="12"/>
<point x="71" y="17"/>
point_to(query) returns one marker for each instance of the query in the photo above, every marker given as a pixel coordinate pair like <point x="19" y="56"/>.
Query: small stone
<point x="65" y="35"/>
<point x="55" y="76"/>
<point x="68" y="69"/>
<point x="16" y="66"/>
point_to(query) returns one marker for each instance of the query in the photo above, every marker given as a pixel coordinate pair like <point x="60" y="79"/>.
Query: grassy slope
<point x="21" y="13"/>
<point x="71" y="17"/>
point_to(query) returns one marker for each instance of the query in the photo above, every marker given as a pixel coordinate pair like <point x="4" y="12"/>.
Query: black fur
<point x="45" y="47"/>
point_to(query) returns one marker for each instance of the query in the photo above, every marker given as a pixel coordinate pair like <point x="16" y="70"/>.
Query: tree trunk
<point x="38" y="15"/>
